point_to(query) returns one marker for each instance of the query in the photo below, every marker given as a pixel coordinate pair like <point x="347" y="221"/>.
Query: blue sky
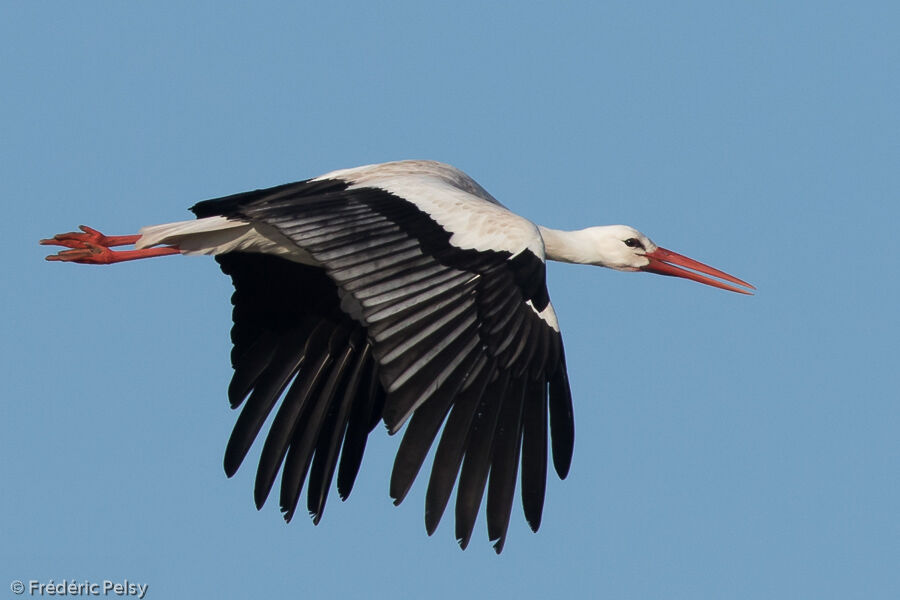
<point x="726" y="446"/>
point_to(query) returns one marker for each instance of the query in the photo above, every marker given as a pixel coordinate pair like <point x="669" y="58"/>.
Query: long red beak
<point x="663" y="262"/>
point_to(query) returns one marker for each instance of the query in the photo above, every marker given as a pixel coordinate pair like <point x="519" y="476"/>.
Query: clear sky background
<point x="726" y="446"/>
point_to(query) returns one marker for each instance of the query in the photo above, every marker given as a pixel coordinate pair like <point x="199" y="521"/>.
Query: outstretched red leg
<point x="90" y="247"/>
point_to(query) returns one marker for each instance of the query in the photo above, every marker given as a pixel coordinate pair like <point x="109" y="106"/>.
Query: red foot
<point x="93" y="248"/>
<point x="73" y="239"/>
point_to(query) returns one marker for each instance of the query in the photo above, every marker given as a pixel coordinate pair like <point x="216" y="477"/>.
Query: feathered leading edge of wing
<point x="290" y="334"/>
<point x="459" y="337"/>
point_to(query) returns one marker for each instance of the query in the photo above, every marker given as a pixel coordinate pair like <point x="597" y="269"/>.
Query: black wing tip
<point x="562" y="464"/>
<point x="231" y="464"/>
<point x="235" y="399"/>
<point x="498" y="545"/>
<point x="398" y="489"/>
<point x="465" y="526"/>
<point x="392" y="422"/>
<point x="259" y="497"/>
<point x="562" y="421"/>
<point x="287" y="515"/>
<point x="432" y="520"/>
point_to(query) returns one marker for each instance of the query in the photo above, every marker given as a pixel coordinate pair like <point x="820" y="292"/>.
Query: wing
<point x="290" y="334"/>
<point x="455" y="333"/>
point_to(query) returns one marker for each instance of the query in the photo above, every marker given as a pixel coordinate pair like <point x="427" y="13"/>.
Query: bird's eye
<point x="633" y="243"/>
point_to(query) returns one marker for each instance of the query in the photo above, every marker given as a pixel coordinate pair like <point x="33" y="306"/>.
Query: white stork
<point x="399" y="292"/>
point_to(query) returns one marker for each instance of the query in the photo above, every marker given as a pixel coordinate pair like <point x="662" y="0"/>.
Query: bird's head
<point x="625" y="248"/>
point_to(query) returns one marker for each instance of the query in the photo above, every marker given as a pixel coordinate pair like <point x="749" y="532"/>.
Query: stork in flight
<point x="401" y="292"/>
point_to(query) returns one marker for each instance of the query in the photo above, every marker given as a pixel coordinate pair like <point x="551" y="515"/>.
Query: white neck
<point x="569" y="246"/>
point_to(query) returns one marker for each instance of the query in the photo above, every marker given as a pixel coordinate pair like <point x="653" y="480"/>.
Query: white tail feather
<point x="217" y="235"/>
<point x="174" y="233"/>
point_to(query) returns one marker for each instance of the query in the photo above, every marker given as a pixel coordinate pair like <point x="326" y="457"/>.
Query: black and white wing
<point x="424" y="301"/>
